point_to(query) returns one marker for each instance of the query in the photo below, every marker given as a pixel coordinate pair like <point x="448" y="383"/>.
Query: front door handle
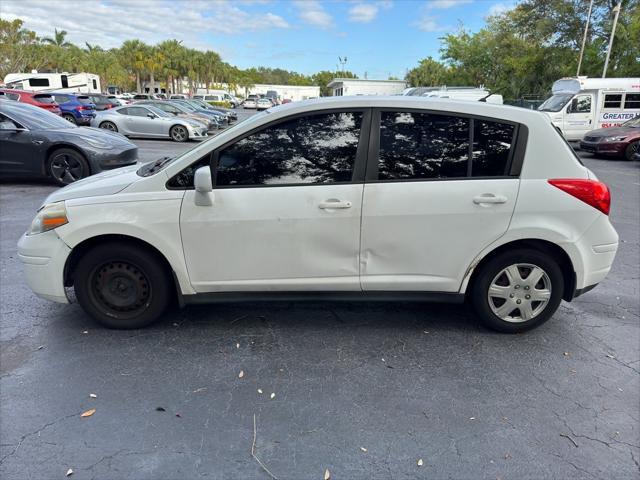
<point x="489" y="198"/>
<point x="333" y="203"/>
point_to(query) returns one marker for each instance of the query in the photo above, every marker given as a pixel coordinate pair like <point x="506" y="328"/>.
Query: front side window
<point x="315" y="149"/>
<point x="61" y="98"/>
<point x="137" y="112"/>
<point x="422" y="146"/>
<point x="612" y="100"/>
<point x="632" y="101"/>
<point x="581" y="104"/>
<point x="492" y="142"/>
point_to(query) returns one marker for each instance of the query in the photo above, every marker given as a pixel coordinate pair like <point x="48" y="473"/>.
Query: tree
<point x="132" y="54"/>
<point x="20" y="50"/>
<point x="324" y="77"/>
<point x="57" y="39"/>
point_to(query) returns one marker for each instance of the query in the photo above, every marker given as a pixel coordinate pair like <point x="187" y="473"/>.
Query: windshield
<point x="187" y="106"/>
<point x="633" y="123"/>
<point x="555" y="102"/>
<point x="35" y="118"/>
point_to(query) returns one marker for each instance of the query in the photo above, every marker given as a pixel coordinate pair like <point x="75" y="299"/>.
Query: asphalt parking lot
<point x="363" y="390"/>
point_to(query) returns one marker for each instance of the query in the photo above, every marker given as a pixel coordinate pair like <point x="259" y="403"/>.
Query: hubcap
<point x="121" y="288"/>
<point x="519" y="293"/>
<point x="179" y="133"/>
<point x="109" y="126"/>
<point x="66" y="168"/>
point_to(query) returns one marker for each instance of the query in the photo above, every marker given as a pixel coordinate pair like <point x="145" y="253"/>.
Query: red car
<point x="42" y="100"/>
<point x="622" y="141"/>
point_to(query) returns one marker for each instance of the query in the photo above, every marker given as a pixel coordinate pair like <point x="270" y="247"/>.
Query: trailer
<point x="54" y="82"/>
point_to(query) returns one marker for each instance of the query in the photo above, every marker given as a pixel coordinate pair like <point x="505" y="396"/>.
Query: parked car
<point x="344" y="197"/>
<point x="229" y="113"/>
<point x="145" y="96"/>
<point x="77" y="109"/>
<point x="263" y="104"/>
<point x="102" y="102"/>
<point x="622" y="141"/>
<point x="221" y="118"/>
<point x="42" y="100"/>
<point x="37" y="143"/>
<point x="178" y="110"/>
<point x="179" y="96"/>
<point x="146" y="121"/>
<point x="249" y="103"/>
<point x="286" y="100"/>
<point x="118" y="102"/>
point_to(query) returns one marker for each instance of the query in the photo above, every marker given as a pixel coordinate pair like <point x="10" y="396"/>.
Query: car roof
<point x="19" y="106"/>
<point x="446" y="105"/>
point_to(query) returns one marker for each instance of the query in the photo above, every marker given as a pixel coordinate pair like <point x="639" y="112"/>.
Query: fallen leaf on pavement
<point x="260" y="390"/>
<point x="198" y="390"/>
<point x="88" y="413"/>
<point x="85" y="331"/>
<point x="237" y="345"/>
<point x="273" y="395"/>
<point x="363" y="449"/>
<point x="327" y="474"/>
<point x="161" y="409"/>
<point x="69" y="472"/>
<point x="40" y="347"/>
<point x="93" y="395"/>
<point x="472" y="418"/>
<point x="420" y="462"/>
<point x="566" y="354"/>
<point x="610" y="356"/>
<point x="507" y="456"/>
<point x="241" y="374"/>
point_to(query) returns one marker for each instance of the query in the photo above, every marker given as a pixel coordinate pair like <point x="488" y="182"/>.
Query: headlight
<point x="614" y="139"/>
<point x="50" y="216"/>
<point x="98" y="143"/>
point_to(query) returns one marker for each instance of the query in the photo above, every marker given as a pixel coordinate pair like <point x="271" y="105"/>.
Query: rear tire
<point x="122" y="285"/>
<point x="508" y="299"/>
<point x="70" y="118"/>
<point x="65" y="166"/>
<point x="632" y="148"/>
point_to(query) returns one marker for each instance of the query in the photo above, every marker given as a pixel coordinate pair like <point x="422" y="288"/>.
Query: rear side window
<point x="612" y="100"/>
<point x="61" y="98"/>
<point x="422" y="146"/>
<point x="45" y="98"/>
<point x="84" y="100"/>
<point x="315" y="149"/>
<point x="10" y="96"/>
<point x="632" y="101"/>
<point x="492" y="142"/>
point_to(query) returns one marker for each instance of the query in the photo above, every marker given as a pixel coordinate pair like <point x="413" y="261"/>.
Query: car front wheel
<point x="122" y="285"/>
<point x="632" y="149"/>
<point x="65" y="166"/>
<point x="179" y="133"/>
<point x="517" y="290"/>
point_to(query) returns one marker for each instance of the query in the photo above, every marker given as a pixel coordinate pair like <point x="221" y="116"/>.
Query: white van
<point x="54" y="82"/>
<point x="216" y="96"/>
<point x="579" y="105"/>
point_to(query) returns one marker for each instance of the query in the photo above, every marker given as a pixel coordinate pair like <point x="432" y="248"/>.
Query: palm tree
<point x="58" y="39"/>
<point x="133" y="58"/>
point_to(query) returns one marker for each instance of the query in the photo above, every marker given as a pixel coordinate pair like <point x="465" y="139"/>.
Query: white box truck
<point x="580" y="104"/>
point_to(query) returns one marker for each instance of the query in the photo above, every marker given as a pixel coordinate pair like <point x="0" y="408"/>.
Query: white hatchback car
<point x="340" y="198"/>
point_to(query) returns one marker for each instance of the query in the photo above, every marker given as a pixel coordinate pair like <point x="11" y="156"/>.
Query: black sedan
<point x="37" y="143"/>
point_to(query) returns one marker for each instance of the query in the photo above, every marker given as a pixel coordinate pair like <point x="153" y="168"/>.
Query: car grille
<point x="592" y="139"/>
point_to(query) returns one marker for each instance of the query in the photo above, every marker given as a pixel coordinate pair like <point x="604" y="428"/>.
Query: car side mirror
<point x="204" y="186"/>
<point x="151" y="115"/>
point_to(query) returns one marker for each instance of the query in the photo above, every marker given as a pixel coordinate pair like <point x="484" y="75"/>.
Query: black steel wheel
<point x="122" y="285"/>
<point x="66" y="166"/>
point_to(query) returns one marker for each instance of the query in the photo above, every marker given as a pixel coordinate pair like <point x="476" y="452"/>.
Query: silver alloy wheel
<point x="179" y="134"/>
<point x="519" y="292"/>
<point x="109" y="126"/>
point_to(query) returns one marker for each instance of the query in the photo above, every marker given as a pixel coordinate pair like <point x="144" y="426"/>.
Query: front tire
<point x="109" y="126"/>
<point x="517" y="290"/>
<point x="631" y="149"/>
<point x="70" y="118"/>
<point x="122" y="285"/>
<point x="65" y="166"/>
<point x="178" y="133"/>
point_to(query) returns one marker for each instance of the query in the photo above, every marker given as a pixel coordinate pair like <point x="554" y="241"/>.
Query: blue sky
<point x="379" y="37"/>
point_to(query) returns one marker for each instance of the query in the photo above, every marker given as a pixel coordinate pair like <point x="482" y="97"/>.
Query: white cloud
<point x="429" y="24"/>
<point x="313" y="13"/>
<point x="498" y="8"/>
<point x="363" y="12"/>
<point x="151" y="21"/>
<point x="444" y="4"/>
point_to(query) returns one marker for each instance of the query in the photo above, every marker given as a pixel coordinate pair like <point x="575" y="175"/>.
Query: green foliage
<point x="322" y="79"/>
<point x="525" y="49"/>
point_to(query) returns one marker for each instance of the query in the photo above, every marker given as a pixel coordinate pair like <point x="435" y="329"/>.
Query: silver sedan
<point x="149" y="122"/>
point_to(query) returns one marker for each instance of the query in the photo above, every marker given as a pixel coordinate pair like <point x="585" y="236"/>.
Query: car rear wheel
<point x="65" y="166"/>
<point x="109" y="126"/>
<point x="122" y="285"/>
<point x="631" y="149"/>
<point x="179" y="133"/>
<point x="517" y="290"/>
<point x="70" y="118"/>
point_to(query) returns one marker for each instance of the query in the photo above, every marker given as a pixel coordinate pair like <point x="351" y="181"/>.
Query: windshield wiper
<point x="153" y="167"/>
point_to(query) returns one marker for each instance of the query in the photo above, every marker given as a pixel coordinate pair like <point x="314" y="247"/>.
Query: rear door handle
<point x="333" y="203"/>
<point x="489" y="198"/>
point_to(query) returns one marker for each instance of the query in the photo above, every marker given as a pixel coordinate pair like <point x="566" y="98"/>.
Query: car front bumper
<point x="43" y="258"/>
<point x="603" y="148"/>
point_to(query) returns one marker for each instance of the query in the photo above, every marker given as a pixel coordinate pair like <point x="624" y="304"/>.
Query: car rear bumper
<point x="603" y="148"/>
<point x="43" y="258"/>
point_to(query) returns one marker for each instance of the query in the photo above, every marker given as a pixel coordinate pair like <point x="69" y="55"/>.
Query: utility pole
<point x="616" y="9"/>
<point x="584" y="38"/>
<point x="343" y="62"/>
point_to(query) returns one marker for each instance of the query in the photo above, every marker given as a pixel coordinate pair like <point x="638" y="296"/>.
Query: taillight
<point x="83" y="107"/>
<point x="591" y="192"/>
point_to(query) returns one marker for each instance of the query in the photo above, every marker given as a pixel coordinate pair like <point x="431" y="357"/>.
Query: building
<point x="355" y="86"/>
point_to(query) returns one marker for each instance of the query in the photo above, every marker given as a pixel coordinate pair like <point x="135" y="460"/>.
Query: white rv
<point x="54" y="82"/>
<point x="580" y="104"/>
